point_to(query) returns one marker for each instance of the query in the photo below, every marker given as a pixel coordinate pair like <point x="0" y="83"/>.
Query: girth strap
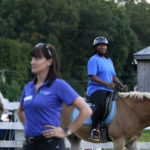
<point x="108" y="104"/>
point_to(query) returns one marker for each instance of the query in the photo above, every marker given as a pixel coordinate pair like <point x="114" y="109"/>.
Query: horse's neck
<point x="142" y="110"/>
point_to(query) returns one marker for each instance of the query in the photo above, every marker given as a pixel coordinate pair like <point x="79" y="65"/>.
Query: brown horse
<point x="132" y="116"/>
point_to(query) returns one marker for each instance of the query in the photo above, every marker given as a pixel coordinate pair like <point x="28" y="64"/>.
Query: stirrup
<point x="98" y="132"/>
<point x="94" y="135"/>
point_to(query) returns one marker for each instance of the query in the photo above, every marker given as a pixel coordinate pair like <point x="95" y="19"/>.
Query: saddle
<point x="109" y="114"/>
<point x="103" y="127"/>
<point x="108" y="107"/>
<point x="108" y="103"/>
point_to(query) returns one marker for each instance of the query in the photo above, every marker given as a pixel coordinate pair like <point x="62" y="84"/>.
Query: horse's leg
<point x="74" y="141"/>
<point x="133" y="146"/>
<point x="119" y="144"/>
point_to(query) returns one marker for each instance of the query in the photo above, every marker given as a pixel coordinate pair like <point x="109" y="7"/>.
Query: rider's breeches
<point x="98" y="99"/>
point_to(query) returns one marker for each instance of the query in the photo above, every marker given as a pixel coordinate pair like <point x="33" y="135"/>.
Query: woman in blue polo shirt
<point x="102" y="80"/>
<point x="42" y="100"/>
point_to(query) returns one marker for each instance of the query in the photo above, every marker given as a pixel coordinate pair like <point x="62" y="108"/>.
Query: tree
<point x="14" y="58"/>
<point x="139" y="17"/>
<point x="70" y="25"/>
<point x="101" y="18"/>
<point x="11" y="91"/>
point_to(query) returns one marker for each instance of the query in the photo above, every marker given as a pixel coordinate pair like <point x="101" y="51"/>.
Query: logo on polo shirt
<point x="45" y="92"/>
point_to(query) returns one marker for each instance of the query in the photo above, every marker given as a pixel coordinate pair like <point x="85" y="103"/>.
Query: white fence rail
<point x="19" y="135"/>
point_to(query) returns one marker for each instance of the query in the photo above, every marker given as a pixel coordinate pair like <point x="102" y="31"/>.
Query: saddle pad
<point x="108" y="119"/>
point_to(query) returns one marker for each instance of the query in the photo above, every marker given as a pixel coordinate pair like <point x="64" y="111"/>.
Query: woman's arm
<point x="96" y="79"/>
<point x="117" y="81"/>
<point x="21" y="114"/>
<point x="85" y="112"/>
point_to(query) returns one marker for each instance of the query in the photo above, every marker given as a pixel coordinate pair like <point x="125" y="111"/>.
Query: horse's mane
<point x="135" y="95"/>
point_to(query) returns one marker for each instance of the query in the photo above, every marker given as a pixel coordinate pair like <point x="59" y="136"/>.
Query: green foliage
<point x="107" y="19"/>
<point x="14" y="58"/>
<point x="72" y="25"/>
<point x="140" y="20"/>
<point x="11" y="91"/>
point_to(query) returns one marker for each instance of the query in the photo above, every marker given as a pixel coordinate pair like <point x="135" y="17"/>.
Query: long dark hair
<point x="49" y="52"/>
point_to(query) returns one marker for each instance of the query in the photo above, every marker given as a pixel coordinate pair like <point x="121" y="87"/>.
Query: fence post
<point x="19" y="134"/>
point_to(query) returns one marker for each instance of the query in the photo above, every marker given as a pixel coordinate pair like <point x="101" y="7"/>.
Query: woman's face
<point x="101" y="48"/>
<point x="39" y="65"/>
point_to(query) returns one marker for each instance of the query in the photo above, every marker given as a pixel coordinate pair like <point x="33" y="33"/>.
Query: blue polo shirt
<point x="103" y="68"/>
<point x="45" y="106"/>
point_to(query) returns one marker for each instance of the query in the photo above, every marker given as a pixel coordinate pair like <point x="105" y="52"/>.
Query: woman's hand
<point x="54" y="132"/>
<point x="124" y="88"/>
<point x="109" y="84"/>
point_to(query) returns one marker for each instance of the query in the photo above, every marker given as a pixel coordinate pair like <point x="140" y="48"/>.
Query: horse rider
<point x="102" y="80"/>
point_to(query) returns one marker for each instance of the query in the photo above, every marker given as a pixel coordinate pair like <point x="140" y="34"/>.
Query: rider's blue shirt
<point x="45" y="106"/>
<point x="103" y="68"/>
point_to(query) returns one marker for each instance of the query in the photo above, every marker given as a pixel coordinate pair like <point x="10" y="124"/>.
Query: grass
<point x="144" y="138"/>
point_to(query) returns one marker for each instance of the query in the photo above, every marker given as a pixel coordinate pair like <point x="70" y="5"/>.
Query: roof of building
<point x="143" y="54"/>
